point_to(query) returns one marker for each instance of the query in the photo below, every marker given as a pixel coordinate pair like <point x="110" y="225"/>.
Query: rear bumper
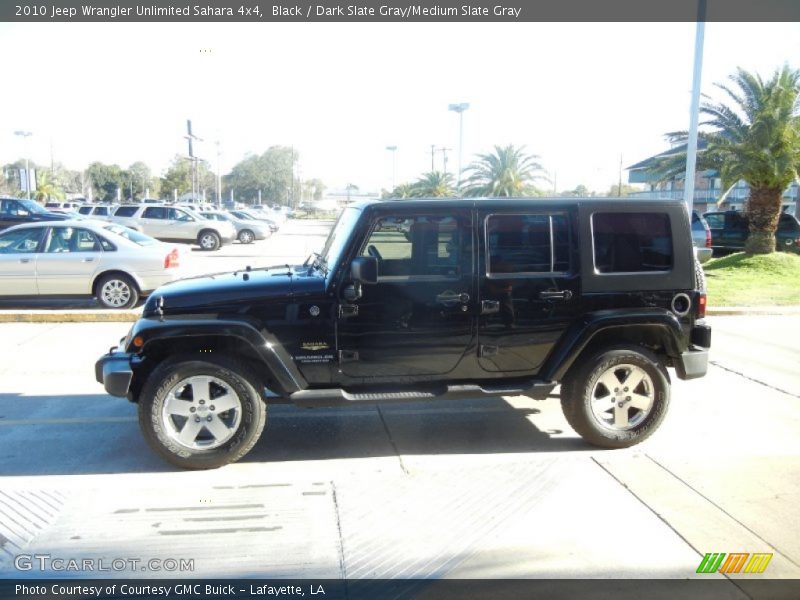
<point x="114" y="371"/>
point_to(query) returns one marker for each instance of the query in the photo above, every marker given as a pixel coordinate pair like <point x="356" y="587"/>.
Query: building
<point x="707" y="185"/>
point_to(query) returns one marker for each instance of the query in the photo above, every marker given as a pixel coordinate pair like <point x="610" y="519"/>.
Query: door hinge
<point x="348" y="310"/>
<point x="348" y="356"/>
<point x="486" y="351"/>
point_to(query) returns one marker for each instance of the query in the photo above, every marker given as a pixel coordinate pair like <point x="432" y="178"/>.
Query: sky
<point x="579" y="95"/>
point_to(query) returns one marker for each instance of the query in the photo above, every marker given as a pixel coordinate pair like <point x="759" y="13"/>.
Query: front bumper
<point x="114" y="371"/>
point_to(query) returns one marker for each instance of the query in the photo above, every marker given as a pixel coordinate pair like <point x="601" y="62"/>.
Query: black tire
<point x="246" y="236"/>
<point x="699" y="276"/>
<point x="161" y="431"/>
<point x="582" y="383"/>
<point x="117" y="291"/>
<point x="209" y="240"/>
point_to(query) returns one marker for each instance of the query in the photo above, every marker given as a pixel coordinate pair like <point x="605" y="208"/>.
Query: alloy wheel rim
<point x="208" y="241"/>
<point x="116" y="293"/>
<point x="201" y="412"/>
<point x="622" y="397"/>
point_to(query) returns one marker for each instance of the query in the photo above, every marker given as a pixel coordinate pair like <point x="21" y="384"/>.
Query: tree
<point x="756" y="138"/>
<point x="509" y="171"/>
<point x="179" y="177"/>
<point x="615" y="192"/>
<point x="580" y="191"/>
<point x="434" y="184"/>
<point x="270" y="173"/>
<point x="404" y="190"/>
<point x="105" y="181"/>
<point x="46" y="188"/>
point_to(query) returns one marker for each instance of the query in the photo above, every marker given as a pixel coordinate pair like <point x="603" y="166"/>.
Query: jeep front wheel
<point x="617" y="398"/>
<point x="201" y="414"/>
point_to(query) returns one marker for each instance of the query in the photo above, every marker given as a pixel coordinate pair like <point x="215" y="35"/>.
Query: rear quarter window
<point x="126" y="211"/>
<point x="631" y="242"/>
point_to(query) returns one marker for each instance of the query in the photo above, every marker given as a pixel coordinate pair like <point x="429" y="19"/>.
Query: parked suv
<point x="701" y="238"/>
<point x="729" y="231"/>
<point x="14" y="211"/>
<point x="175" y="224"/>
<point x="428" y="300"/>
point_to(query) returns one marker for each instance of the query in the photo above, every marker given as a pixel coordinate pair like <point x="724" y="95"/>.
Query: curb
<point x="752" y="311"/>
<point x="69" y="316"/>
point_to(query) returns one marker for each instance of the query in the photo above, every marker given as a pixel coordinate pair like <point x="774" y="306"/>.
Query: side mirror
<point x="364" y="269"/>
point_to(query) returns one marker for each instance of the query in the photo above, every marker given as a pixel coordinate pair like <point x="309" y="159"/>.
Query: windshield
<point x="32" y="206"/>
<point x="132" y="235"/>
<point x="339" y="235"/>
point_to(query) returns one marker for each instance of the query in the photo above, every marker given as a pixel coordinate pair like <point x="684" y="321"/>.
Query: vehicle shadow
<point x="97" y="434"/>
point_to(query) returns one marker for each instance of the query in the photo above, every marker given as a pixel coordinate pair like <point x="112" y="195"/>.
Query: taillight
<point x="708" y="238"/>
<point x="701" y="306"/>
<point x="172" y="259"/>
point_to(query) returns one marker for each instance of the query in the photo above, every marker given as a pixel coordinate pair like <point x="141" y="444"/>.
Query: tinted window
<point x="126" y="211"/>
<point x="632" y="242"/>
<point x="107" y="246"/>
<point x="85" y="210"/>
<point x="155" y="212"/>
<point x="527" y="243"/>
<point x="20" y="241"/>
<point x="715" y="220"/>
<point x="788" y="223"/>
<point x="420" y="245"/>
<point x="101" y="210"/>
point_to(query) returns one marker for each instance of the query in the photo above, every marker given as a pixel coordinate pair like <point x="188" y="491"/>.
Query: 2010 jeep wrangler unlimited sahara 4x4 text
<point x="427" y="300"/>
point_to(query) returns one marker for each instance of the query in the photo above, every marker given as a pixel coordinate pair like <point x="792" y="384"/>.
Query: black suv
<point x="427" y="300"/>
<point x="14" y="211"/>
<point x="730" y="229"/>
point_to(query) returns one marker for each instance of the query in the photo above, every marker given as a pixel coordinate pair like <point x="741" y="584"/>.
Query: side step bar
<point x="538" y="390"/>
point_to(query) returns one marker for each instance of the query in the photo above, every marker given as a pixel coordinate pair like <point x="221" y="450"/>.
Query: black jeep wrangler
<point x="428" y="300"/>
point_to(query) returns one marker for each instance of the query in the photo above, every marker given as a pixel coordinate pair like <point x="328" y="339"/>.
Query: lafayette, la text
<point x="149" y="590"/>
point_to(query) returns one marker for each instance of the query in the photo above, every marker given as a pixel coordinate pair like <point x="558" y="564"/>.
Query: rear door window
<point x="126" y="211"/>
<point x="532" y="243"/>
<point x="155" y="212"/>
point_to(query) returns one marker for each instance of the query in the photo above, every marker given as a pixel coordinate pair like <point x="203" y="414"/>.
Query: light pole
<point x="459" y="108"/>
<point x="393" y="150"/>
<point x="24" y="135"/>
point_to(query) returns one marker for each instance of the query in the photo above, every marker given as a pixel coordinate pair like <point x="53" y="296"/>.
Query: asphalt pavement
<point x="499" y="488"/>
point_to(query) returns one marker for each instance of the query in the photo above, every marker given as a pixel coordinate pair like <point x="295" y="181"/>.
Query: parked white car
<point x="175" y="224"/>
<point x="101" y="212"/>
<point x="84" y="258"/>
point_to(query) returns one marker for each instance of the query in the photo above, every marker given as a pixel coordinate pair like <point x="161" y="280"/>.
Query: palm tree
<point x="757" y="139"/>
<point x="404" y="190"/>
<point x="509" y="171"/>
<point x="46" y="188"/>
<point x="434" y="184"/>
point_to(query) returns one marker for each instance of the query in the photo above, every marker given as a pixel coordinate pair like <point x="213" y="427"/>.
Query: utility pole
<point x="691" y="145"/>
<point x="194" y="160"/>
<point x="619" y="186"/>
<point x="433" y="149"/>
<point x="393" y="150"/>
<point x="219" y="177"/>
<point x="459" y="108"/>
<point x="444" y="152"/>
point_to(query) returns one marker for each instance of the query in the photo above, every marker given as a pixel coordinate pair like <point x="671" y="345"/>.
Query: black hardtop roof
<point x="526" y="203"/>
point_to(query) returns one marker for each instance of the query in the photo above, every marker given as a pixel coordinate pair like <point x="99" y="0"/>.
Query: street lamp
<point x="459" y="108"/>
<point x="393" y="150"/>
<point x="26" y="134"/>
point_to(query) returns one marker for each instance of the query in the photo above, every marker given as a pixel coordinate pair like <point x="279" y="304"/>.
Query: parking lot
<point x="498" y="488"/>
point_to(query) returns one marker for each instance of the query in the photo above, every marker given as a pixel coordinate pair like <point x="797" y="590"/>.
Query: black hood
<point x="229" y="292"/>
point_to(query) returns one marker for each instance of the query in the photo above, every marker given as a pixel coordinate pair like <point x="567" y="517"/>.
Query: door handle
<point x="490" y="307"/>
<point x="25" y="260"/>
<point x="552" y="295"/>
<point x="90" y="259"/>
<point x="452" y="298"/>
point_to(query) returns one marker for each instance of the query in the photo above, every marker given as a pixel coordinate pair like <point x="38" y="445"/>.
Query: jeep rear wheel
<point x="617" y="398"/>
<point x="201" y="414"/>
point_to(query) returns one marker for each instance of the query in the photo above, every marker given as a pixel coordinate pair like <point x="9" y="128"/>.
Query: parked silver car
<point x="246" y="231"/>
<point x="84" y="258"/>
<point x="175" y="224"/>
